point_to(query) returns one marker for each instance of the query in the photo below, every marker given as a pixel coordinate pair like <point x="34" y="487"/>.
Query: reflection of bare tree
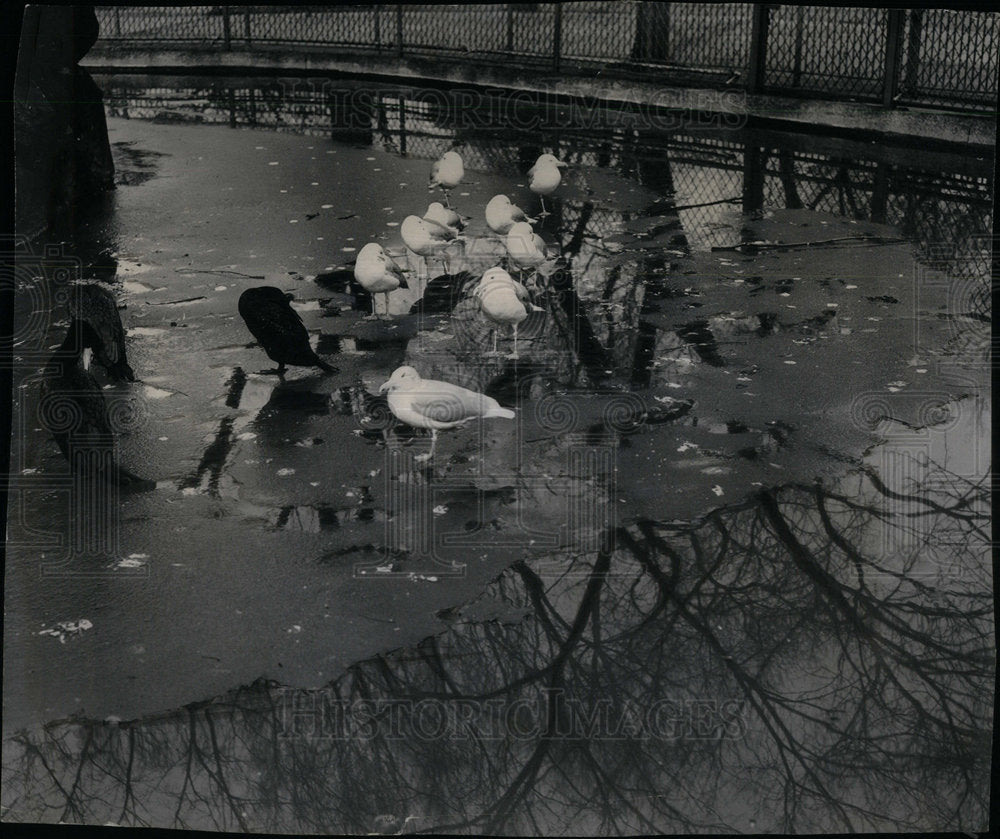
<point x="771" y="668"/>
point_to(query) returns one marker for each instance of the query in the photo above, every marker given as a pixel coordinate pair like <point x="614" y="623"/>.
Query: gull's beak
<point x="384" y="387"/>
<point x="561" y="164"/>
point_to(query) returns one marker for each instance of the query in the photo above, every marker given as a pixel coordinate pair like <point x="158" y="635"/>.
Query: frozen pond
<point x="746" y="486"/>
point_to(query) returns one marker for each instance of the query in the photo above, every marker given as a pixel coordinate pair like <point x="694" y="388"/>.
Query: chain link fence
<point x="942" y="58"/>
<point x="949" y="57"/>
<point x="827" y="50"/>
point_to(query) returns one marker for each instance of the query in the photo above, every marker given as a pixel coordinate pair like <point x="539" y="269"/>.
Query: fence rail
<point x="939" y="58"/>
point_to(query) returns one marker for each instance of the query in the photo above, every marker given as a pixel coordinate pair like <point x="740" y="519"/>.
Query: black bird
<point x="96" y="306"/>
<point x="74" y="410"/>
<point x="278" y="328"/>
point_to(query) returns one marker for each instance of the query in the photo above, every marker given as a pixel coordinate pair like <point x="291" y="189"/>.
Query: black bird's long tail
<point x="329" y="368"/>
<point x="121" y="371"/>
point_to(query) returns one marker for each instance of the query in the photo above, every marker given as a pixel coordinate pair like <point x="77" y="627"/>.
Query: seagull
<point x="502" y="299"/>
<point x="437" y="213"/>
<point x="95" y="305"/>
<point x="377" y="274"/>
<point x="426" y="238"/>
<point x="501" y="214"/>
<point x="447" y="173"/>
<point x="427" y="403"/>
<point x="525" y="248"/>
<point x="278" y="328"/>
<point x="74" y="410"/>
<point x="545" y="177"/>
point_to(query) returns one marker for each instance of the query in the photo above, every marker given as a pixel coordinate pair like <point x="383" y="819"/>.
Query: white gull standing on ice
<point x="502" y="214"/>
<point x="525" y="248"/>
<point x="502" y="300"/>
<point x="428" y="403"/>
<point x="447" y="173"/>
<point x="545" y="177"/>
<point x="427" y="238"/>
<point x="377" y="273"/>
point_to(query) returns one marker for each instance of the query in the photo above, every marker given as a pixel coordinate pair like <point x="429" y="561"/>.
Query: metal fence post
<point x="378" y="27"/>
<point x="799" y="32"/>
<point x="226" y="28"/>
<point x="880" y="193"/>
<point x="893" y="51"/>
<point x="510" y="27"/>
<point x="557" y="38"/>
<point x="753" y="176"/>
<point x="911" y="80"/>
<point x="758" y="47"/>
<point x="246" y="25"/>
<point x="118" y="22"/>
<point x="402" y="125"/>
<point x="399" y="30"/>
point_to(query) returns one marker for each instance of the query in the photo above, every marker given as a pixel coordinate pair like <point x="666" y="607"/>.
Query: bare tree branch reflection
<point x="768" y="668"/>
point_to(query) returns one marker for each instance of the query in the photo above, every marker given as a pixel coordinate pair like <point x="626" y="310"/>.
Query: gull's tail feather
<point x="505" y="413"/>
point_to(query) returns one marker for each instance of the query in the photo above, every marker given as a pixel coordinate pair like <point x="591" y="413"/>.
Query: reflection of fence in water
<point x="929" y="207"/>
<point x="698" y="168"/>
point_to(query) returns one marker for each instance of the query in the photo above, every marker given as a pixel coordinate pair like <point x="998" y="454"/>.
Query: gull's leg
<point x="494" y="352"/>
<point x="544" y="212"/>
<point x="514" y="354"/>
<point x="447" y="198"/>
<point x="420" y="458"/>
<point x="386" y="303"/>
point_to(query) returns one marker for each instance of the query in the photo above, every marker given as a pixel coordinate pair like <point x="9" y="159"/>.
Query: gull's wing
<point x="444" y="402"/>
<point x="521" y="291"/>
<point x="393" y="268"/>
<point x="438" y="230"/>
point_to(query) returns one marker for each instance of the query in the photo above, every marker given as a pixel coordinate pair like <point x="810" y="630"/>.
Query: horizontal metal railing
<point x="923" y="57"/>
